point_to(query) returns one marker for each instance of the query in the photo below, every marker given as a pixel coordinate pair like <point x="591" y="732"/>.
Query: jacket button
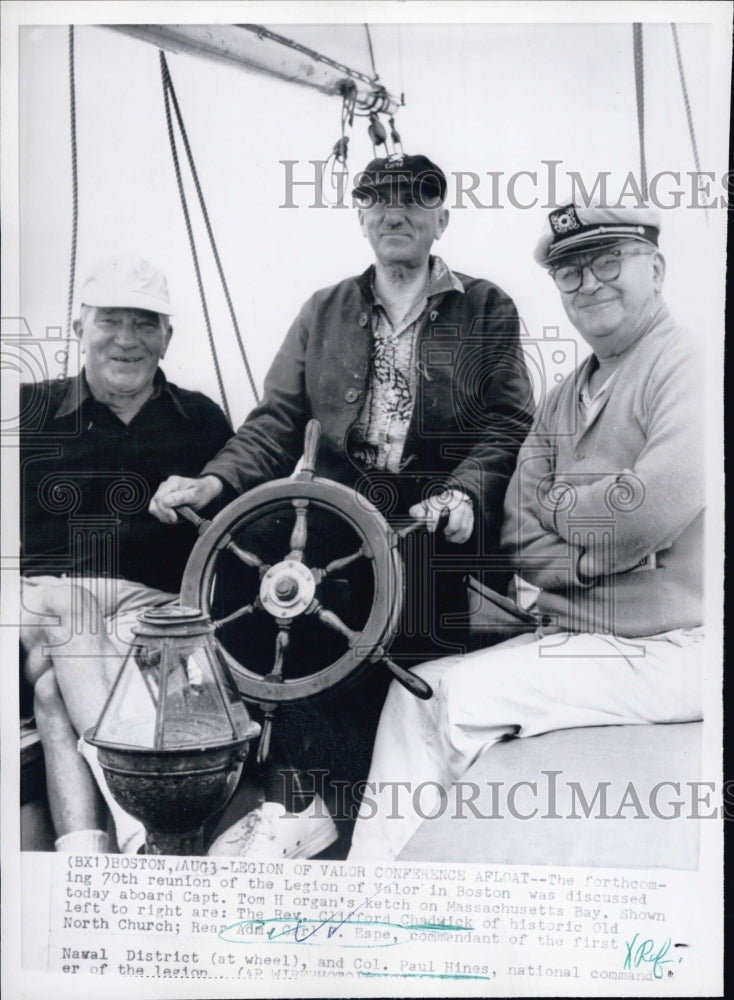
<point x="433" y="315"/>
<point x="351" y="395"/>
<point x="579" y="455"/>
<point x="363" y="319"/>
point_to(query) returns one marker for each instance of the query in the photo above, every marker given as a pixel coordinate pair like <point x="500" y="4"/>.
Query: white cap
<point x="127" y="282"/>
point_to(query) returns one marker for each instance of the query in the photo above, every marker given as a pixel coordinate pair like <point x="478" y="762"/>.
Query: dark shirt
<point x="87" y="479"/>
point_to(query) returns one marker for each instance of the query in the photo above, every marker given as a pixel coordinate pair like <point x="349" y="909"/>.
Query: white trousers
<point x="523" y="687"/>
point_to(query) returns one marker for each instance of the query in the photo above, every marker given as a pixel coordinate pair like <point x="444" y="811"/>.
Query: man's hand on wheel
<point x="460" y="523"/>
<point x="178" y="491"/>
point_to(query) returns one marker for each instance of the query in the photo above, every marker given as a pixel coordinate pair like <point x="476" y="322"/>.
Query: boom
<point x="255" y="47"/>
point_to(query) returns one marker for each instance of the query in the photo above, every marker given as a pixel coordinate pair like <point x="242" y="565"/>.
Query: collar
<point x="584" y="390"/>
<point x="78" y="392"/>
<point x="441" y="279"/>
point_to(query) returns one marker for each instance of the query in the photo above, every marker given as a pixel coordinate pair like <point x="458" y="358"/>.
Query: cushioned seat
<point x="631" y="759"/>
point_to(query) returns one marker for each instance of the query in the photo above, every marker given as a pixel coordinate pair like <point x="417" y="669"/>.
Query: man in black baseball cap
<point x="425" y="181"/>
<point x="417" y="378"/>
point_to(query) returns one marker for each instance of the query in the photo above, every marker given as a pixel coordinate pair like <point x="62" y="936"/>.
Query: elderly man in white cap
<point x="603" y="516"/>
<point x="93" y="448"/>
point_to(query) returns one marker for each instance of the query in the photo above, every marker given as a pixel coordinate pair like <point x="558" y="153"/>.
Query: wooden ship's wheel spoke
<point x="299" y="535"/>
<point x="248" y="558"/>
<point x="282" y="641"/>
<point x="248" y="609"/>
<point x="337" y="565"/>
<point x="334" y="622"/>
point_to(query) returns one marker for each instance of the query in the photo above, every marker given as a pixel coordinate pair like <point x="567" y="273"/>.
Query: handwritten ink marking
<point x="644" y="952"/>
<point x="344" y="933"/>
<point x="313" y="931"/>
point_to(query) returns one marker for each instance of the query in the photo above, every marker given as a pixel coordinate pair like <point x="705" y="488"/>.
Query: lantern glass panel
<point x="174" y="691"/>
<point x="128" y="718"/>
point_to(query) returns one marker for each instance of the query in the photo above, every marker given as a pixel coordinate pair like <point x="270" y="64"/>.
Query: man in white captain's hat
<point x="603" y="516"/>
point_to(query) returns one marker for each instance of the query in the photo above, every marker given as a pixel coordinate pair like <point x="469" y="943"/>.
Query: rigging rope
<point x="687" y="103"/>
<point x="375" y="74"/>
<point x="400" y="65"/>
<point x="375" y="130"/>
<point x="212" y="241"/>
<point x="74" y="204"/>
<point x="640" y="95"/>
<point x="189" y="230"/>
<point x="169" y="92"/>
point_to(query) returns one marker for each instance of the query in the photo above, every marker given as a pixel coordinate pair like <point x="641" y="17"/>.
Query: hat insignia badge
<point x="564" y="220"/>
<point x="396" y="160"/>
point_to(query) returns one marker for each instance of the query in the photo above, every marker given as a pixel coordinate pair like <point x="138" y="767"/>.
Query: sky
<point x="480" y="98"/>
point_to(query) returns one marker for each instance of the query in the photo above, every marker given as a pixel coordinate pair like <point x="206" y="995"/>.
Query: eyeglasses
<point x="605" y="267"/>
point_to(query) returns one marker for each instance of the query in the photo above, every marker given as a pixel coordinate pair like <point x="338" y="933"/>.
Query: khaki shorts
<point x="119" y="601"/>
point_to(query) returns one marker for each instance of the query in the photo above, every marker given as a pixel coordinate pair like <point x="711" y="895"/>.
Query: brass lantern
<point x="174" y="732"/>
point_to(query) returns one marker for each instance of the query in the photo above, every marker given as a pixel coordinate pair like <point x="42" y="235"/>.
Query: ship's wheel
<point x="303" y="581"/>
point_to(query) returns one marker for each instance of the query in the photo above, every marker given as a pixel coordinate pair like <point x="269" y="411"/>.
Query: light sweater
<point x="607" y="518"/>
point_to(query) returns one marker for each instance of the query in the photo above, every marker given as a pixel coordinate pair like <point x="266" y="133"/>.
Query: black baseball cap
<point x="426" y="180"/>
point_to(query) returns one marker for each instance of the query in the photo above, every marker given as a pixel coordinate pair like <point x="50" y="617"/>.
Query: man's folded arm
<point x="654" y="501"/>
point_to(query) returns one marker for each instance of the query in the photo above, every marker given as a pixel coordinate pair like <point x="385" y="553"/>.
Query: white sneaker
<point x="271" y="832"/>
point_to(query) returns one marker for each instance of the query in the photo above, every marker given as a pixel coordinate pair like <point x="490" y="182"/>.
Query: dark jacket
<point x="472" y="410"/>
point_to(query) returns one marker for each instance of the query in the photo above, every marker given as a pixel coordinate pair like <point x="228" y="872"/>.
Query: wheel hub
<point x="287" y="589"/>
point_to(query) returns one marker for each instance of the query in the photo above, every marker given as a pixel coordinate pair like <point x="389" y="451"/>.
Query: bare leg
<point x="35" y="628"/>
<point x="74" y="801"/>
<point x="85" y="664"/>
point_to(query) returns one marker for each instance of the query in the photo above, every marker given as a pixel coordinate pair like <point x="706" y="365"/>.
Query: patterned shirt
<point x="385" y="418"/>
